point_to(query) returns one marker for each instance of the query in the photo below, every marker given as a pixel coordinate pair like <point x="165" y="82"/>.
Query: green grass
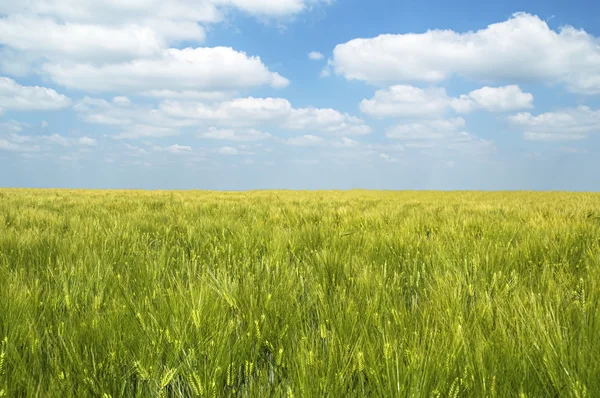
<point x="305" y="294"/>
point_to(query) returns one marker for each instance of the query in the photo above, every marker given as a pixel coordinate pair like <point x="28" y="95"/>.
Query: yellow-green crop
<point x="304" y="294"/>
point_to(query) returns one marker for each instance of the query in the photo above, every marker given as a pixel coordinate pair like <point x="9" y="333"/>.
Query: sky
<point x="300" y="94"/>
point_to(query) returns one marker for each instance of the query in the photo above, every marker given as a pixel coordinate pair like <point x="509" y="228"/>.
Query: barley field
<point x="303" y="294"/>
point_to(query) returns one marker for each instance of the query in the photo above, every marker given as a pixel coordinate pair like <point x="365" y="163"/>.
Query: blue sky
<point x="300" y="94"/>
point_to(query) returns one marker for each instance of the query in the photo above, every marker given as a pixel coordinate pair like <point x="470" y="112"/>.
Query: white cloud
<point x="179" y="148"/>
<point x="236" y="120"/>
<point x="46" y="141"/>
<point x="136" y="150"/>
<point x="305" y="140"/>
<point x="12" y="125"/>
<point x="388" y="158"/>
<point x="14" y="96"/>
<point x="47" y="38"/>
<point x="438" y="136"/>
<point x="346" y="142"/>
<point x="57" y="139"/>
<point x="268" y="111"/>
<point x="306" y="162"/>
<point x="98" y="32"/>
<point x="404" y="100"/>
<point x="420" y="145"/>
<point x="195" y="69"/>
<point x="87" y="141"/>
<point x="191" y="95"/>
<point x="21" y="144"/>
<point x="325" y="72"/>
<point x="327" y="120"/>
<point x="566" y="125"/>
<point x="427" y="130"/>
<point x="7" y="145"/>
<point x="237" y="112"/>
<point x="114" y="11"/>
<point x="234" y="135"/>
<point x="267" y="8"/>
<point x="449" y="163"/>
<point x="574" y="151"/>
<point x="142" y="130"/>
<point x="315" y="56"/>
<point x="466" y="143"/>
<point x="44" y="124"/>
<point x="521" y="48"/>
<point x="227" y="150"/>
<point x="500" y="99"/>
<point x="553" y="137"/>
<point x="121" y="100"/>
<point x="133" y="120"/>
<point x="174" y="11"/>
<point x="174" y="149"/>
<point x="410" y="101"/>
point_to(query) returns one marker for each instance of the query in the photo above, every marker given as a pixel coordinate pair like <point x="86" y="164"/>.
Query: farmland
<point x="304" y="294"/>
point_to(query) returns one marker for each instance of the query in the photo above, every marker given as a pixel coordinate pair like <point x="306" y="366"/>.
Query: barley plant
<point x="299" y="294"/>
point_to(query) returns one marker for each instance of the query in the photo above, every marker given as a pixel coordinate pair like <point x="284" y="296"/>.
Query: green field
<point x="304" y="294"/>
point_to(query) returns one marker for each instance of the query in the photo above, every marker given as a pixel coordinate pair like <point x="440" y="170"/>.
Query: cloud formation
<point x="523" y="48"/>
<point x="410" y="101"/>
<point x="14" y="96"/>
<point x="570" y="124"/>
<point x="195" y="69"/>
<point x="243" y="135"/>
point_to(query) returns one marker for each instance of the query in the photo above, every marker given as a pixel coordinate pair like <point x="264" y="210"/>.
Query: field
<point x="304" y="294"/>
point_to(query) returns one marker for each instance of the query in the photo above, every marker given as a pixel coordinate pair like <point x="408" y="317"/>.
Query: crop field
<point x="303" y="294"/>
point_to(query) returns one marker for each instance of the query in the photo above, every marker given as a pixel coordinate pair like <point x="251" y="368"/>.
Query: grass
<point x="305" y="294"/>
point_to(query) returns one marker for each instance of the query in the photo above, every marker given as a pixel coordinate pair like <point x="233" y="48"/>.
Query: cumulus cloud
<point x="35" y="143"/>
<point x="306" y="162"/>
<point x="388" y="158"/>
<point x="267" y="111"/>
<point x="565" y="125"/>
<point x="7" y="145"/>
<point x="404" y="100"/>
<point x="14" y="96"/>
<point x="116" y="12"/>
<point x="427" y="130"/>
<point x="522" y="48"/>
<point x="195" y="69"/>
<point x="551" y="137"/>
<point x="87" y="141"/>
<point x="267" y="8"/>
<point x="410" y="101"/>
<point x="57" y="139"/>
<point x="12" y="125"/>
<point x="133" y="120"/>
<point x="315" y="56"/>
<point x="174" y="149"/>
<point x="234" y="135"/>
<point x="327" y="120"/>
<point x="121" y="100"/>
<point x="497" y="99"/>
<point x="78" y="35"/>
<point x="44" y="37"/>
<point x="144" y="130"/>
<point x="439" y="136"/>
<point x="19" y="144"/>
<point x="227" y="150"/>
<point x="191" y="95"/>
<point x="237" y="112"/>
<point x="346" y="142"/>
<point x="176" y="11"/>
<point x="305" y="140"/>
